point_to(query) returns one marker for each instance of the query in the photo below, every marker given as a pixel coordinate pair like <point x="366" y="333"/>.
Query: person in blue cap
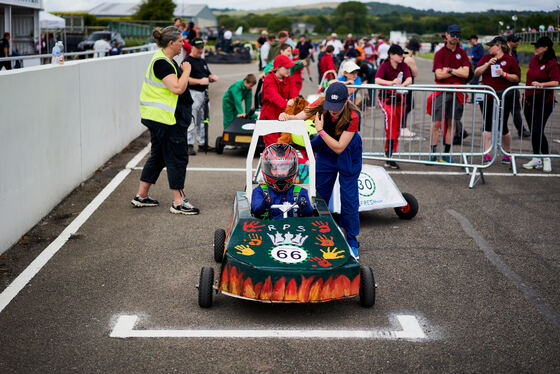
<point x="338" y="151"/>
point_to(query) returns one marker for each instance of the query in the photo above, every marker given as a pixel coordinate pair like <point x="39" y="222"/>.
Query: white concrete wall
<point x="58" y="125"/>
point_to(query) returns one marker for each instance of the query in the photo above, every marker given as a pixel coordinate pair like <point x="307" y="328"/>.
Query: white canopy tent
<point x="50" y="21"/>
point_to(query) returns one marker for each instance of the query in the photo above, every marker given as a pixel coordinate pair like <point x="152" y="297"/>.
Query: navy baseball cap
<point x="335" y="96"/>
<point x="513" y="38"/>
<point x="453" y="28"/>
<point x="543" y="41"/>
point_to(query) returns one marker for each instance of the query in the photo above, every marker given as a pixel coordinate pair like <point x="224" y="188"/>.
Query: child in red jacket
<point x="297" y="75"/>
<point x="278" y="91"/>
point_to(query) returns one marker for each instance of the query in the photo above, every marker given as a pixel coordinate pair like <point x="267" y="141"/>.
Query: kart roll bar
<point x="268" y="127"/>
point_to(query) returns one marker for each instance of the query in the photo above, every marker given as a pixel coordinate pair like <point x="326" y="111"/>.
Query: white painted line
<point x="403" y="172"/>
<point x="411" y="330"/>
<point x="21" y="281"/>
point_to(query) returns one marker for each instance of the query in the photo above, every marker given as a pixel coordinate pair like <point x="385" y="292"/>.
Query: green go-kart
<point x="289" y="260"/>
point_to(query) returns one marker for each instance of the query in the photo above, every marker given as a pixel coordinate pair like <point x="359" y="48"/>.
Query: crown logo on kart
<point x="288" y="239"/>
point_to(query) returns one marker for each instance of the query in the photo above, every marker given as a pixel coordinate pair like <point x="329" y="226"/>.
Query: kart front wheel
<point x="410" y="210"/>
<point x="205" y="287"/>
<point x="219" y="145"/>
<point x="219" y="244"/>
<point x="367" y="287"/>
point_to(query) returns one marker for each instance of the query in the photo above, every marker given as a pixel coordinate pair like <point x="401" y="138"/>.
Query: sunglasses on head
<point x="455" y="34"/>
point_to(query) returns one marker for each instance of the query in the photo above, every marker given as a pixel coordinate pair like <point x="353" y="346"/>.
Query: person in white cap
<point x="350" y="77"/>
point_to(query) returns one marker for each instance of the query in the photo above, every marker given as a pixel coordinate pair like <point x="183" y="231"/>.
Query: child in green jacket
<point x="232" y="102"/>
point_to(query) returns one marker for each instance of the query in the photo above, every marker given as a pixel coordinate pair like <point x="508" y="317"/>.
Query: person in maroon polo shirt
<point x="499" y="70"/>
<point x="543" y="72"/>
<point x="451" y="66"/>
<point x="393" y="72"/>
<point x="279" y="89"/>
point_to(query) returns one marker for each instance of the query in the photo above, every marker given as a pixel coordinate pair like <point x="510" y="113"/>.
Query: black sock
<point x="434" y="148"/>
<point x="447" y="148"/>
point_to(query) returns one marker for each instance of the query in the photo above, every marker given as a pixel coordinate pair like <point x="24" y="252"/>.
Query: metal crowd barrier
<point x="46" y="58"/>
<point x="411" y="106"/>
<point x="533" y="111"/>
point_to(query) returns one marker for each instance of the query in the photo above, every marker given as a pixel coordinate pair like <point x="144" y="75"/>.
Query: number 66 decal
<point x="289" y="254"/>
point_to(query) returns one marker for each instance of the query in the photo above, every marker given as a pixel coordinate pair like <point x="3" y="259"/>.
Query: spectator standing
<point x="227" y="40"/>
<point x="370" y="53"/>
<point x="499" y="70"/>
<point x="350" y="77"/>
<point x="101" y="47"/>
<point x="412" y="48"/>
<point x="279" y="90"/>
<point x="451" y="66"/>
<point x="265" y="49"/>
<point x="236" y="94"/>
<point x="327" y="62"/>
<point x="382" y="50"/>
<point x="338" y="152"/>
<point x="297" y="73"/>
<point x="192" y="32"/>
<point x="199" y="81"/>
<point x="290" y="40"/>
<point x="275" y="46"/>
<point x="5" y="51"/>
<point x="305" y="52"/>
<point x="116" y="49"/>
<point x="261" y="41"/>
<point x="221" y="31"/>
<point x="286" y="50"/>
<point x="513" y="43"/>
<point x="543" y="72"/>
<point x="177" y="22"/>
<point x="392" y="103"/>
<point x="477" y="51"/>
<point x="165" y="106"/>
<point x="367" y="75"/>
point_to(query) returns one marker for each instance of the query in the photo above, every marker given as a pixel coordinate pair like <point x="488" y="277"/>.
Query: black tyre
<point x="219" y="145"/>
<point x="219" y="244"/>
<point x="410" y="210"/>
<point x="205" y="287"/>
<point x="367" y="287"/>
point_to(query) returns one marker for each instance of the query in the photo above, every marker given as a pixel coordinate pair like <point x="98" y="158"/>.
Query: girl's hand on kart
<point x="290" y="102"/>
<point x="319" y="122"/>
<point x="283" y="117"/>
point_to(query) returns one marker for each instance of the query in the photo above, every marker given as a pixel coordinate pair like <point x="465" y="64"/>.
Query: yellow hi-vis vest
<point x="157" y="102"/>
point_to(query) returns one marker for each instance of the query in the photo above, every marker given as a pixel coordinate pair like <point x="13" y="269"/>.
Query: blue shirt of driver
<point x="260" y="205"/>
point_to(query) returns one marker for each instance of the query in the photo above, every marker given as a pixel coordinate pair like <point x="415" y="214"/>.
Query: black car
<point x="112" y="37"/>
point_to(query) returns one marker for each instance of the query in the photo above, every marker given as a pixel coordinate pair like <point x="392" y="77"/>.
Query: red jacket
<point x="327" y="63"/>
<point x="276" y="95"/>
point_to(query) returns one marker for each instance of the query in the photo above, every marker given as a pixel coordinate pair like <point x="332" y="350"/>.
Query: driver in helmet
<point x="280" y="167"/>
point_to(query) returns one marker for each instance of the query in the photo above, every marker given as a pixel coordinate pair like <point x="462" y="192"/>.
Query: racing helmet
<point x="279" y="166"/>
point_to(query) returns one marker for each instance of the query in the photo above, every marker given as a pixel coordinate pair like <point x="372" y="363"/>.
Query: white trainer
<point x="405" y="132"/>
<point x="547" y="167"/>
<point x="535" y="163"/>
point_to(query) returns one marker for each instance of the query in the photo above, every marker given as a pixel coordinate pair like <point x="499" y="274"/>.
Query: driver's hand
<point x="302" y="202"/>
<point x="283" y="116"/>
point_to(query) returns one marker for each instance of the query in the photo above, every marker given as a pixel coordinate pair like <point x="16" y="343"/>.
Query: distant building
<point x="302" y="28"/>
<point x="21" y="19"/>
<point x="200" y="14"/>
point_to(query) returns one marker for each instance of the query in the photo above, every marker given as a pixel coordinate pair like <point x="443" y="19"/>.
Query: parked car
<point x="112" y="37"/>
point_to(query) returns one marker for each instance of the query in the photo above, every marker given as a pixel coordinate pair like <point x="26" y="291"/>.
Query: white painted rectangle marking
<point x="411" y="330"/>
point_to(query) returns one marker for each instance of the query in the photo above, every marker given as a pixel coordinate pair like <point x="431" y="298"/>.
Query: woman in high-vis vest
<point x="165" y="109"/>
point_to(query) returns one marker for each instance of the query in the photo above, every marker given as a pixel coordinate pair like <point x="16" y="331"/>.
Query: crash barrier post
<point x="537" y="108"/>
<point x="394" y="106"/>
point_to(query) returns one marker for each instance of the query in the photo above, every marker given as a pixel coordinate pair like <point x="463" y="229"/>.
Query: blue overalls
<point x="347" y="166"/>
<point x="260" y="205"/>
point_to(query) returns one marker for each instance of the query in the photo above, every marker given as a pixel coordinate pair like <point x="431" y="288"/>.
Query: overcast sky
<point x="443" y="5"/>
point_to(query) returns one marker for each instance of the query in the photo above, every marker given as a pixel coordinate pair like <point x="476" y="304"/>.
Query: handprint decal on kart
<point x="252" y="226"/>
<point x="320" y="261"/>
<point x="255" y="239"/>
<point x="244" y="250"/>
<point x="324" y="241"/>
<point x="332" y="254"/>
<point x="321" y="226"/>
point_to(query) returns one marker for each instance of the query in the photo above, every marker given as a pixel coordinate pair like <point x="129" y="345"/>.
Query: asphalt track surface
<point x="477" y="269"/>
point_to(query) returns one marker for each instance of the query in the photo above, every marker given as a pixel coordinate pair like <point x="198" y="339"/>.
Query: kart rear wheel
<point x="410" y="210"/>
<point x="205" y="287"/>
<point x="219" y="244"/>
<point x="219" y="145"/>
<point x="367" y="287"/>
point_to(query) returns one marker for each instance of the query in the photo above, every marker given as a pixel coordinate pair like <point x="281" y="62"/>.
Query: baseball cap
<point x="453" y="28"/>
<point x="513" y="38"/>
<point x="543" y="41"/>
<point x="335" y="96"/>
<point x="350" y="67"/>
<point x="282" y="61"/>
<point x="198" y="43"/>
<point x="497" y="40"/>
<point x="396" y="49"/>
